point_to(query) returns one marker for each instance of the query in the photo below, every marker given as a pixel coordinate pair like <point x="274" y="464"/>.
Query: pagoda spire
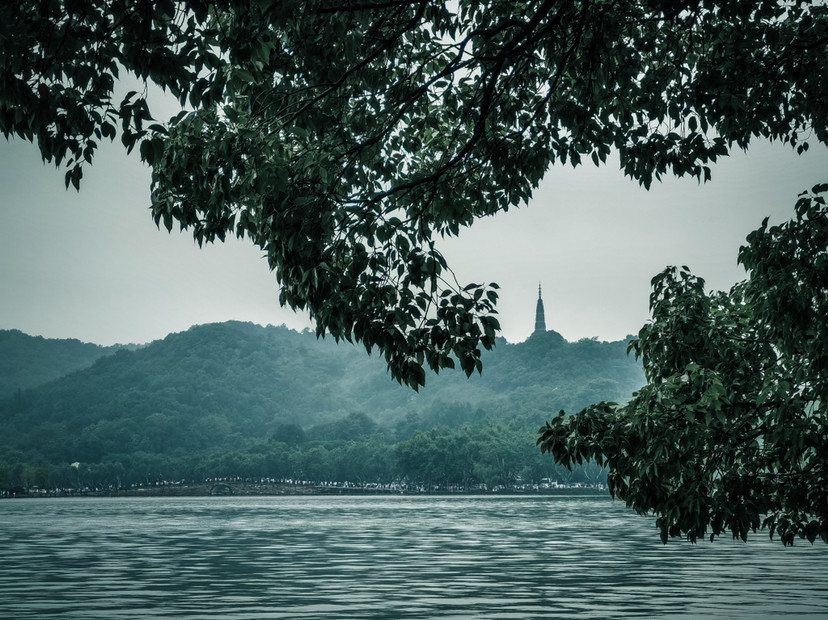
<point x="540" y="319"/>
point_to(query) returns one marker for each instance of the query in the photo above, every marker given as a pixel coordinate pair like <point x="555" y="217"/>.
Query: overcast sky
<point x="93" y="266"/>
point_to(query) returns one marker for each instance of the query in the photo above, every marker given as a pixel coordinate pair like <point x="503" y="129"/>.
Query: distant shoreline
<point x="254" y="489"/>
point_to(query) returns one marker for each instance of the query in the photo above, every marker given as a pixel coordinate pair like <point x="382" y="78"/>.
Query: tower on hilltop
<point x="540" y="319"/>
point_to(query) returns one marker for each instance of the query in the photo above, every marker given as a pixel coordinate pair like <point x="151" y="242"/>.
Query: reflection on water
<point x="385" y="557"/>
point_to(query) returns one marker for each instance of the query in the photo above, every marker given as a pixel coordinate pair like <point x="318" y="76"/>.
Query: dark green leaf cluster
<point x="343" y="138"/>
<point x="62" y="62"/>
<point x="731" y="432"/>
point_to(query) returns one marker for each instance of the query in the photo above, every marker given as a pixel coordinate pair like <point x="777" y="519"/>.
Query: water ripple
<point x="385" y="557"/>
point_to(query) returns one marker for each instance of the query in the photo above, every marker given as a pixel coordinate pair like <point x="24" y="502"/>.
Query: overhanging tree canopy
<point x="343" y="137"/>
<point x="730" y="434"/>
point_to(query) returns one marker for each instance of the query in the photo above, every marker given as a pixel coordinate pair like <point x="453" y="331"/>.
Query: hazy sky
<point x="93" y="266"/>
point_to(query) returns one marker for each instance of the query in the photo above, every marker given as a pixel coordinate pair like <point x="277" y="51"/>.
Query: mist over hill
<point x="230" y="386"/>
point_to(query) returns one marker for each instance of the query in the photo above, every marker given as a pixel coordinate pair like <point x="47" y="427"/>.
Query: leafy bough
<point x="730" y="434"/>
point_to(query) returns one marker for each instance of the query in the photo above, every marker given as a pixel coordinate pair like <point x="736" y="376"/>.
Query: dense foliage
<point x="344" y="137"/>
<point x="222" y="389"/>
<point x="730" y="434"/>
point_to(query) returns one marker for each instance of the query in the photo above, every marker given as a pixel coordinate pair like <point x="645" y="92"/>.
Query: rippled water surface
<point x="385" y="557"/>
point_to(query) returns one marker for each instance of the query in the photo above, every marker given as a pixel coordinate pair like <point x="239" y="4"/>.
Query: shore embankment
<point x="243" y="487"/>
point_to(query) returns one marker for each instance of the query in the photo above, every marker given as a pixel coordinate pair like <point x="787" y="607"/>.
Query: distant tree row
<point x="463" y="457"/>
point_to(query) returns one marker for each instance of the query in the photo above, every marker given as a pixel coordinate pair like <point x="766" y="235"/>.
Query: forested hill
<point x="229" y="385"/>
<point x="28" y="361"/>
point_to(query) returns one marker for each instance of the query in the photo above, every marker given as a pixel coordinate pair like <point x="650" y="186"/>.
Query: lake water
<point x="385" y="557"/>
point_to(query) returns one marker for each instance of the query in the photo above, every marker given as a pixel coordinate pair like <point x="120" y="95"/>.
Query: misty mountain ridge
<point x="231" y="384"/>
